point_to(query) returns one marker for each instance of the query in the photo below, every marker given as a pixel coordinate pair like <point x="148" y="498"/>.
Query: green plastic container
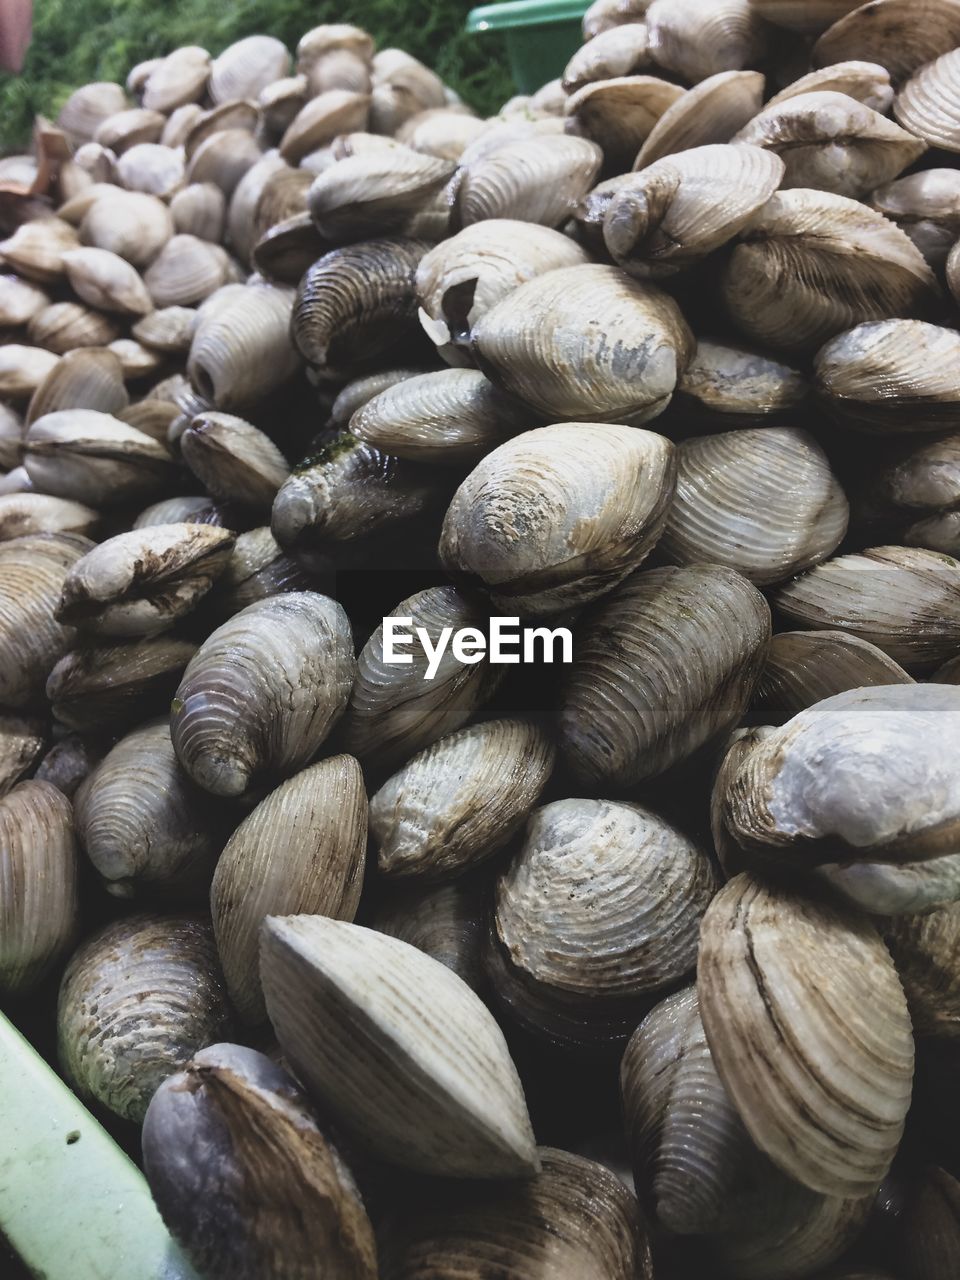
<point x="542" y="36"/>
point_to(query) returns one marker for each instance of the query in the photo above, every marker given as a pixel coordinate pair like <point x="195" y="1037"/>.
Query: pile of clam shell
<point x="642" y="966"/>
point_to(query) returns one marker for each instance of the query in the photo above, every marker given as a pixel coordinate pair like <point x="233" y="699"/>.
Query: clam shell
<point x="286" y="250"/>
<point x="168" y="329"/>
<point x="926" y="950"/>
<point x="809" y="1030"/>
<point x="620" y="114"/>
<point x="549" y="343"/>
<point x="93" y="458"/>
<point x="88" y="378"/>
<point x="88" y="107"/>
<point x="367" y="1000"/>
<point x="866" y="82"/>
<point x="136" y="360"/>
<point x="901" y="35"/>
<point x="137" y="1000"/>
<point x="532" y="180"/>
<point x="667" y="661"/>
<point x="241" y="351"/>
<point x="257" y="569"/>
<point x="953" y="272"/>
<point x="394" y="711"/>
<point x="447" y="417"/>
<point x="804" y="667"/>
<point x="23" y="369"/>
<point x="904" y="889"/>
<point x="195" y="509"/>
<point x="575" y="1218"/>
<point x="247" y="66"/>
<point x="180" y="78"/>
<point x="827" y="787"/>
<point x="71" y="759"/>
<point x="712" y="111"/>
<point x="683" y="207"/>
<point x="153" y="168"/>
<point x="813" y="263"/>
<point x="199" y="209"/>
<point x="939" y="532"/>
<point x="601" y="906"/>
<point x="197" y="1151"/>
<point x="591" y="499"/>
<point x="24" y="514"/>
<point x="374" y="195"/>
<point x="321" y="119"/>
<point x="19" y="301"/>
<point x="461" y="800"/>
<point x="349" y="493"/>
<point x="110" y="687"/>
<point x="35" y="250"/>
<point x="11" y="437"/>
<point x="905" y="600"/>
<point x="361" y="390"/>
<point x="147" y="829"/>
<point x="65" y="325"/>
<point x="301" y="851"/>
<point x="223" y="158"/>
<point x="929" y="103"/>
<point x="930" y="1238"/>
<point x="32" y="570"/>
<point x="622" y="51"/>
<point x="466" y="275"/>
<point x="698" y="38"/>
<point x="125" y="129"/>
<point x="355" y="304"/>
<point x="764" y="502"/>
<point x="106" y="281"/>
<point x="926" y="205"/>
<point x="604" y="14"/>
<point x="444" y="920"/>
<point x="831" y="142"/>
<point x="132" y="224"/>
<point x="241" y="232"/>
<point x="686" y="1139"/>
<point x="725" y="385"/>
<point x="280" y="101"/>
<point x="186" y="271"/>
<point x="441" y="133"/>
<point x="233" y="460"/>
<point x="139" y="583"/>
<point x="263" y="691"/>
<point x="807" y="16"/>
<point x="39" y="912"/>
<point x="22" y="743"/>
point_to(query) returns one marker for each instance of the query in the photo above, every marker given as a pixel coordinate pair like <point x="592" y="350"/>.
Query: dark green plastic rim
<point x="525" y="13"/>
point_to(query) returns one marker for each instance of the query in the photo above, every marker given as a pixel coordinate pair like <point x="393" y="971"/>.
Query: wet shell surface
<point x="808" y="1026"/>
<point x="764" y="502"/>
<point x="602" y="902"/>
<point x="712" y="111"/>
<point x="39" y="909"/>
<point x="804" y="667"/>
<point x="347" y="1003"/>
<point x="902" y="37"/>
<point x="393" y="710"/>
<point x="141" y="582"/>
<point x="461" y="800"/>
<point x="227" y="1127"/>
<point x="574" y="1218"/>
<point x="584" y="343"/>
<point x="138" y="999"/>
<point x="559" y="515"/>
<point x="726" y="385"/>
<point x="699" y="632"/>
<point x="892" y="376"/>
<point x="905" y="600"/>
<point x="110" y="687"/>
<point x="145" y="826"/>
<point x="813" y="263"/>
<point x="32" y="571"/>
<point x="234" y="460"/>
<point x="241" y="350"/>
<point x="263" y="691"/>
<point x="532" y="180"/>
<point x="301" y="851"/>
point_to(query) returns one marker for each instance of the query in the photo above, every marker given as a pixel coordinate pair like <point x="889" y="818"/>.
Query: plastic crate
<point x="541" y="35"/>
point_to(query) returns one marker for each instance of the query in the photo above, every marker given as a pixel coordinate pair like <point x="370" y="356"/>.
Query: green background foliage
<point x="76" y="41"/>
